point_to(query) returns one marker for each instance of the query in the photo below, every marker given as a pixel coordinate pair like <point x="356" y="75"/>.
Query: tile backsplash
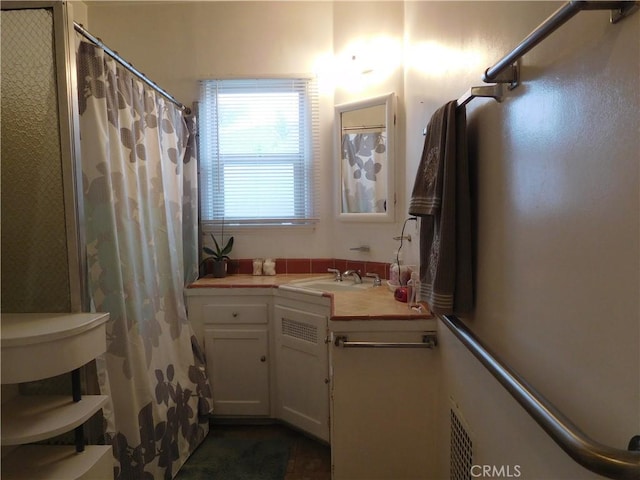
<point x="307" y="265"/>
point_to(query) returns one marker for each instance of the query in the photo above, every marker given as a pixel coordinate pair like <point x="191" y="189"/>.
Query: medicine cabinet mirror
<point x="365" y="147"/>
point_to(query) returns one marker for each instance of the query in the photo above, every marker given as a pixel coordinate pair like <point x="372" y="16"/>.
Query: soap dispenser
<point x="394" y="269"/>
<point x="413" y="290"/>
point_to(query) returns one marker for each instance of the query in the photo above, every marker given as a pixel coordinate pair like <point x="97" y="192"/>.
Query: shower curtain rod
<point x="112" y="53"/>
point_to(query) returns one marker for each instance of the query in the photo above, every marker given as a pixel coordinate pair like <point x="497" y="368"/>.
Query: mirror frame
<point x="389" y="101"/>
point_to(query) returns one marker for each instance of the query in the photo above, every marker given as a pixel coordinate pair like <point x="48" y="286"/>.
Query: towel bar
<point x="495" y="91"/>
<point x="429" y="340"/>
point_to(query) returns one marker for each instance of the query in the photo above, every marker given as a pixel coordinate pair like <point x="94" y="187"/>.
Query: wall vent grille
<point x="461" y="450"/>
<point x="299" y="330"/>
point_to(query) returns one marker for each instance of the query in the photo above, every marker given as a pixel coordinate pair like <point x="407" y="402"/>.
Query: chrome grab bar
<point x="601" y="459"/>
<point x="618" y="9"/>
<point x="429" y="340"/>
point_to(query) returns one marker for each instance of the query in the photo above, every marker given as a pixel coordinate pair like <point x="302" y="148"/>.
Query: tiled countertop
<point x="376" y="303"/>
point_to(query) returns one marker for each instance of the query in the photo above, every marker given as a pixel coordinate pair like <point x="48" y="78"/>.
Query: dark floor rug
<point x="229" y="458"/>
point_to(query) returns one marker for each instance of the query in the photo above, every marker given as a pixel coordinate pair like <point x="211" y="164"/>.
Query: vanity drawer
<point x="236" y="313"/>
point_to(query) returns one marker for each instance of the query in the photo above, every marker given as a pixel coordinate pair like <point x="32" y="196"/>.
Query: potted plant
<point x="219" y="256"/>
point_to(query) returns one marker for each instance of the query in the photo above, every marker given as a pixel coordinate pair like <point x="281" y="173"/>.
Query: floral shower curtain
<point x="364" y="172"/>
<point x="140" y="201"/>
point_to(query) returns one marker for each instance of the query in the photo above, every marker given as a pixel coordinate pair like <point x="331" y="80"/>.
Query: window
<point x="258" y="151"/>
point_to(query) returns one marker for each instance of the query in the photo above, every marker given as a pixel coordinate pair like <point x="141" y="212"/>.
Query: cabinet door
<point x="302" y="367"/>
<point x="238" y="367"/>
<point x="383" y="404"/>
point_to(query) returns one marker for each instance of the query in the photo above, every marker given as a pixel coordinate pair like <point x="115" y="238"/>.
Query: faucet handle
<point x="338" y="275"/>
<point x="376" y="279"/>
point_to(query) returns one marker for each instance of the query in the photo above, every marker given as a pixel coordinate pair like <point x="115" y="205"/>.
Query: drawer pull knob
<point x="234" y="314"/>
<point x="263" y="358"/>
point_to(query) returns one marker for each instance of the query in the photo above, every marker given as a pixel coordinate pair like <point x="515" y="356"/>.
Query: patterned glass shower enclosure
<point x="40" y="241"/>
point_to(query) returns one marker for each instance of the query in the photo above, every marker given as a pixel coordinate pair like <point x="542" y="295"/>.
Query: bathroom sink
<point x="330" y="285"/>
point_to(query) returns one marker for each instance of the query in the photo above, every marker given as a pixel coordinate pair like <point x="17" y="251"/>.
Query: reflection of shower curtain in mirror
<point x="364" y="174"/>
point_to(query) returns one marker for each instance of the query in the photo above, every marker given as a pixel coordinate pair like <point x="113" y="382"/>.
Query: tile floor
<point x="309" y="458"/>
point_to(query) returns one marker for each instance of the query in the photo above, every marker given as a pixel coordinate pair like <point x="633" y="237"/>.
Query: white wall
<point x="556" y="188"/>
<point x="356" y="26"/>
<point x="177" y="43"/>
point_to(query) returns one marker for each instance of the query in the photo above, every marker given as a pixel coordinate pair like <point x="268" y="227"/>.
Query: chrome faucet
<point x="357" y="278"/>
<point x="338" y="275"/>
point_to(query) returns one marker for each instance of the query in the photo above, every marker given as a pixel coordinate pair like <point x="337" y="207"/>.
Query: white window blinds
<point x="258" y="151"/>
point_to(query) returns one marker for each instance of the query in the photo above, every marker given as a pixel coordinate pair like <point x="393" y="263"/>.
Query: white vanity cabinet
<point x="37" y="346"/>
<point x="302" y="362"/>
<point x="383" y="401"/>
<point x="235" y="331"/>
<point x="266" y="353"/>
<point x="271" y="353"/>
